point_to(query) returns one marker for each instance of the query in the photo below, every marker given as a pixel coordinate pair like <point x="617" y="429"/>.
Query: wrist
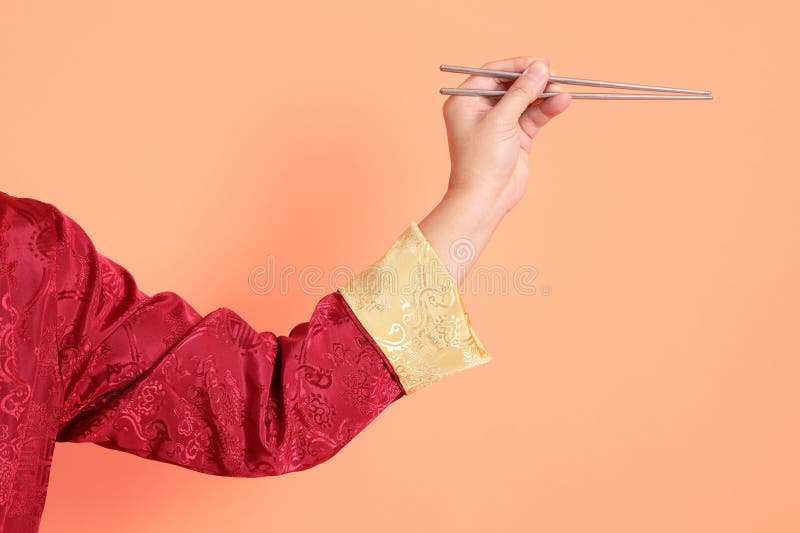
<point x="459" y="227"/>
<point x="479" y="207"/>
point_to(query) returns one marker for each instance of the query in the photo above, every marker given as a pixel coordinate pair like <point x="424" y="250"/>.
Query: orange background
<point x="654" y="389"/>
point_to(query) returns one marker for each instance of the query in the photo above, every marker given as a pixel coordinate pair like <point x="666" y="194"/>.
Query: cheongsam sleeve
<point x="149" y="375"/>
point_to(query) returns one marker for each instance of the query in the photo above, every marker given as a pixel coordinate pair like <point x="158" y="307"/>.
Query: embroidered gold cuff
<point x="409" y="304"/>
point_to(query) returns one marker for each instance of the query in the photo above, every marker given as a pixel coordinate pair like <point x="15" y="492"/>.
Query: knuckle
<point x="447" y="106"/>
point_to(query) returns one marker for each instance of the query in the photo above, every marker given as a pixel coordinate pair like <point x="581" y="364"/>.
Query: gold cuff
<point x="409" y="304"/>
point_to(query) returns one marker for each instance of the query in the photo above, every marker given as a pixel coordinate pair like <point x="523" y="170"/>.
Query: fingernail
<point x="536" y="70"/>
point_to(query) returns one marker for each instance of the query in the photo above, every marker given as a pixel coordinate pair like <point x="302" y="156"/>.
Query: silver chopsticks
<point x="687" y="94"/>
<point x="597" y="96"/>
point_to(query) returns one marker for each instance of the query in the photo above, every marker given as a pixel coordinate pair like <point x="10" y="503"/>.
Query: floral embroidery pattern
<point x="409" y="304"/>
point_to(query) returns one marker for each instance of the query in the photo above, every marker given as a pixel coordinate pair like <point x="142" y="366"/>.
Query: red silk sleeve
<point x="150" y="376"/>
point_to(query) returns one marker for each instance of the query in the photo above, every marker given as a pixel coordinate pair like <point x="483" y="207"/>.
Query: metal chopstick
<point x="571" y="81"/>
<point x="596" y="96"/>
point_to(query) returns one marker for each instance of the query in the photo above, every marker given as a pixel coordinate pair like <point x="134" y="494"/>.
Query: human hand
<point x="490" y="140"/>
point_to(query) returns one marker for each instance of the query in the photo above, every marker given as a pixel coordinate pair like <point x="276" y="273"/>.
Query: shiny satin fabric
<point x="86" y="356"/>
<point x="409" y="303"/>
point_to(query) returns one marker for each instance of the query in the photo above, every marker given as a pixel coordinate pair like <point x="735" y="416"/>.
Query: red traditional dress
<point x="85" y="356"/>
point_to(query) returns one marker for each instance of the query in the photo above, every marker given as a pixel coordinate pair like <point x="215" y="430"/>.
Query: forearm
<point x="459" y="227"/>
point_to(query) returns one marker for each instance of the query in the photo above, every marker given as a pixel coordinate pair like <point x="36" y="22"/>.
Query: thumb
<point x="525" y="89"/>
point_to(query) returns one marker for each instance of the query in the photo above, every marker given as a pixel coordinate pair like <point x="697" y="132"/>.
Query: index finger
<point x="492" y="83"/>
